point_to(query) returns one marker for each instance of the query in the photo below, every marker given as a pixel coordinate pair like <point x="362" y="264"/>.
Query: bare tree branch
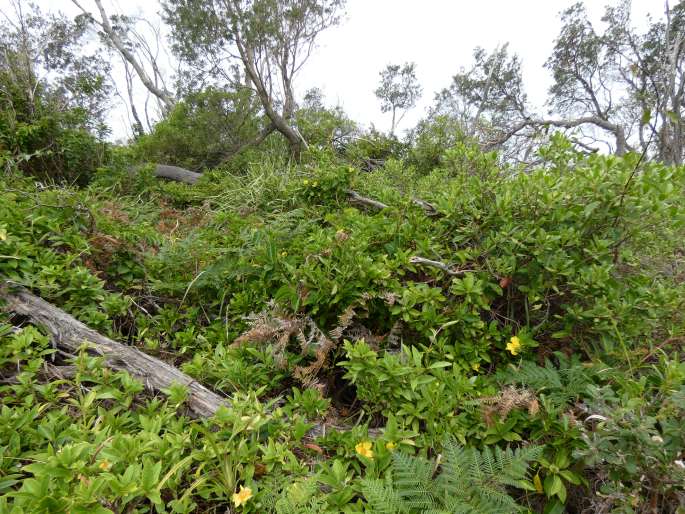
<point x="104" y="23"/>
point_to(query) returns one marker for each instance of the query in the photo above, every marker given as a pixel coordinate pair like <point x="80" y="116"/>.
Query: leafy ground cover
<point x="540" y="359"/>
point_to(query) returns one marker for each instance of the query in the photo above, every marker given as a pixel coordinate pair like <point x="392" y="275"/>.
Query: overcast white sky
<point x="439" y="35"/>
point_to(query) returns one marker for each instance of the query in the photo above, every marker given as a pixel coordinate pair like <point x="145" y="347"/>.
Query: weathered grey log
<point x="69" y="333"/>
<point x="177" y="174"/>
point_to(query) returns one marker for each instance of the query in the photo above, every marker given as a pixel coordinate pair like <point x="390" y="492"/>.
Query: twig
<point x="623" y="195"/>
<point x="367" y="202"/>
<point x="355" y="197"/>
<point x="421" y="261"/>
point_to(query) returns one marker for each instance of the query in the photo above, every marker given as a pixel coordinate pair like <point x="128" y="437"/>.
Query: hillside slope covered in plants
<point x="254" y="305"/>
<point x="513" y="346"/>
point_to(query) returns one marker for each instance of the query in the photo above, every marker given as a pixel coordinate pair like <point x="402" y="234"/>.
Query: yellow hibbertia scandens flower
<point x="514" y="345"/>
<point x="241" y="497"/>
<point x="364" y="449"/>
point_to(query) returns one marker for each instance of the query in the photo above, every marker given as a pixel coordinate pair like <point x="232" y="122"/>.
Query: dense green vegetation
<point x="401" y="326"/>
<point x="558" y="328"/>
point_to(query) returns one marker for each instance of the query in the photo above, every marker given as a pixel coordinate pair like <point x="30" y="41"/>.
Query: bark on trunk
<point x="69" y="334"/>
<point x="164" y="96"/>
<point x="279" y="121"/>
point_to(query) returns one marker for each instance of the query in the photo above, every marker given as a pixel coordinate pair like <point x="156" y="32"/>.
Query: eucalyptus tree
<point x="650" y="65"/>
<point x="488" y="102"/>
<point x="619" y="86"/>
<point x="140" y="51"/>
<point x="254" y="44"/>
<point x="53" y="94"/>
<point x="120" y="35"/>
<point x="43" y="62"/>
<point x="586" y="89"/>
<point x="624" y="81"/>
<point x="399" y="90"/>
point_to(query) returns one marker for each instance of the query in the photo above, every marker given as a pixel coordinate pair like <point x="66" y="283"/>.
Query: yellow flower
<point x="305" y="182"/>
<point x="475" y="366"/>
<point x="391" y="446"/>
<point x="514" y="345"/>
<point x="241" y="497"/>
<point x="284" y="254"/>
<point x="364" y="449"/>
<point x="105" y="465"/>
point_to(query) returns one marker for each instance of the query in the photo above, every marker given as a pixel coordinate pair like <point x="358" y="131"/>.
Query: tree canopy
<point x="399" y="90"/>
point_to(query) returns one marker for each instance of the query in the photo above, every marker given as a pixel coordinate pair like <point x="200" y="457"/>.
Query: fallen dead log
<point x="177" y="174"/>
<point x="429" y="208"/>
<point x="70" y="334"/>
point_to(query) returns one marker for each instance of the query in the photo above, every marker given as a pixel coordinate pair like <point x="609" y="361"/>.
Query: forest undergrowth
<point x="516" y="346"/>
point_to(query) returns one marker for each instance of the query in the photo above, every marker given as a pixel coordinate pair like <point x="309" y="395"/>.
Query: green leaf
<point x="555" y="487"/>
<point x="570" y="476"/>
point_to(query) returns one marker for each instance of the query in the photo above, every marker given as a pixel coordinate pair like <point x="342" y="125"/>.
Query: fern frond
<point x="560" y="384"/>
<point x="344" y="321"/>
<point x="381" y="497"/>
<point x="296" y="498"/>
<point x="475" y="465"/>
<point x="454" y="469"/>
<point x="412" y="478"/>
<point x="492" y="499"/>
<point x="470" y="481"/>
<point x="487" y="462"/>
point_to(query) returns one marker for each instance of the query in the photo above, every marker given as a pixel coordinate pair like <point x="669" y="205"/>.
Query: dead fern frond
<point x="304" y="344"/>
<point x="266" y="328"/>
<point x="506" y="400"/>
<point x="271" y="325"/>
<point x="307" y="374"/>
<point x="390" y="298"/>
<point x="344" y="321"/>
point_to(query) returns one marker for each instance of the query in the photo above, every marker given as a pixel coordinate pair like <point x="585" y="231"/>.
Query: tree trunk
<point x="258" y="140"/>
<point x="279" y="121"/>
